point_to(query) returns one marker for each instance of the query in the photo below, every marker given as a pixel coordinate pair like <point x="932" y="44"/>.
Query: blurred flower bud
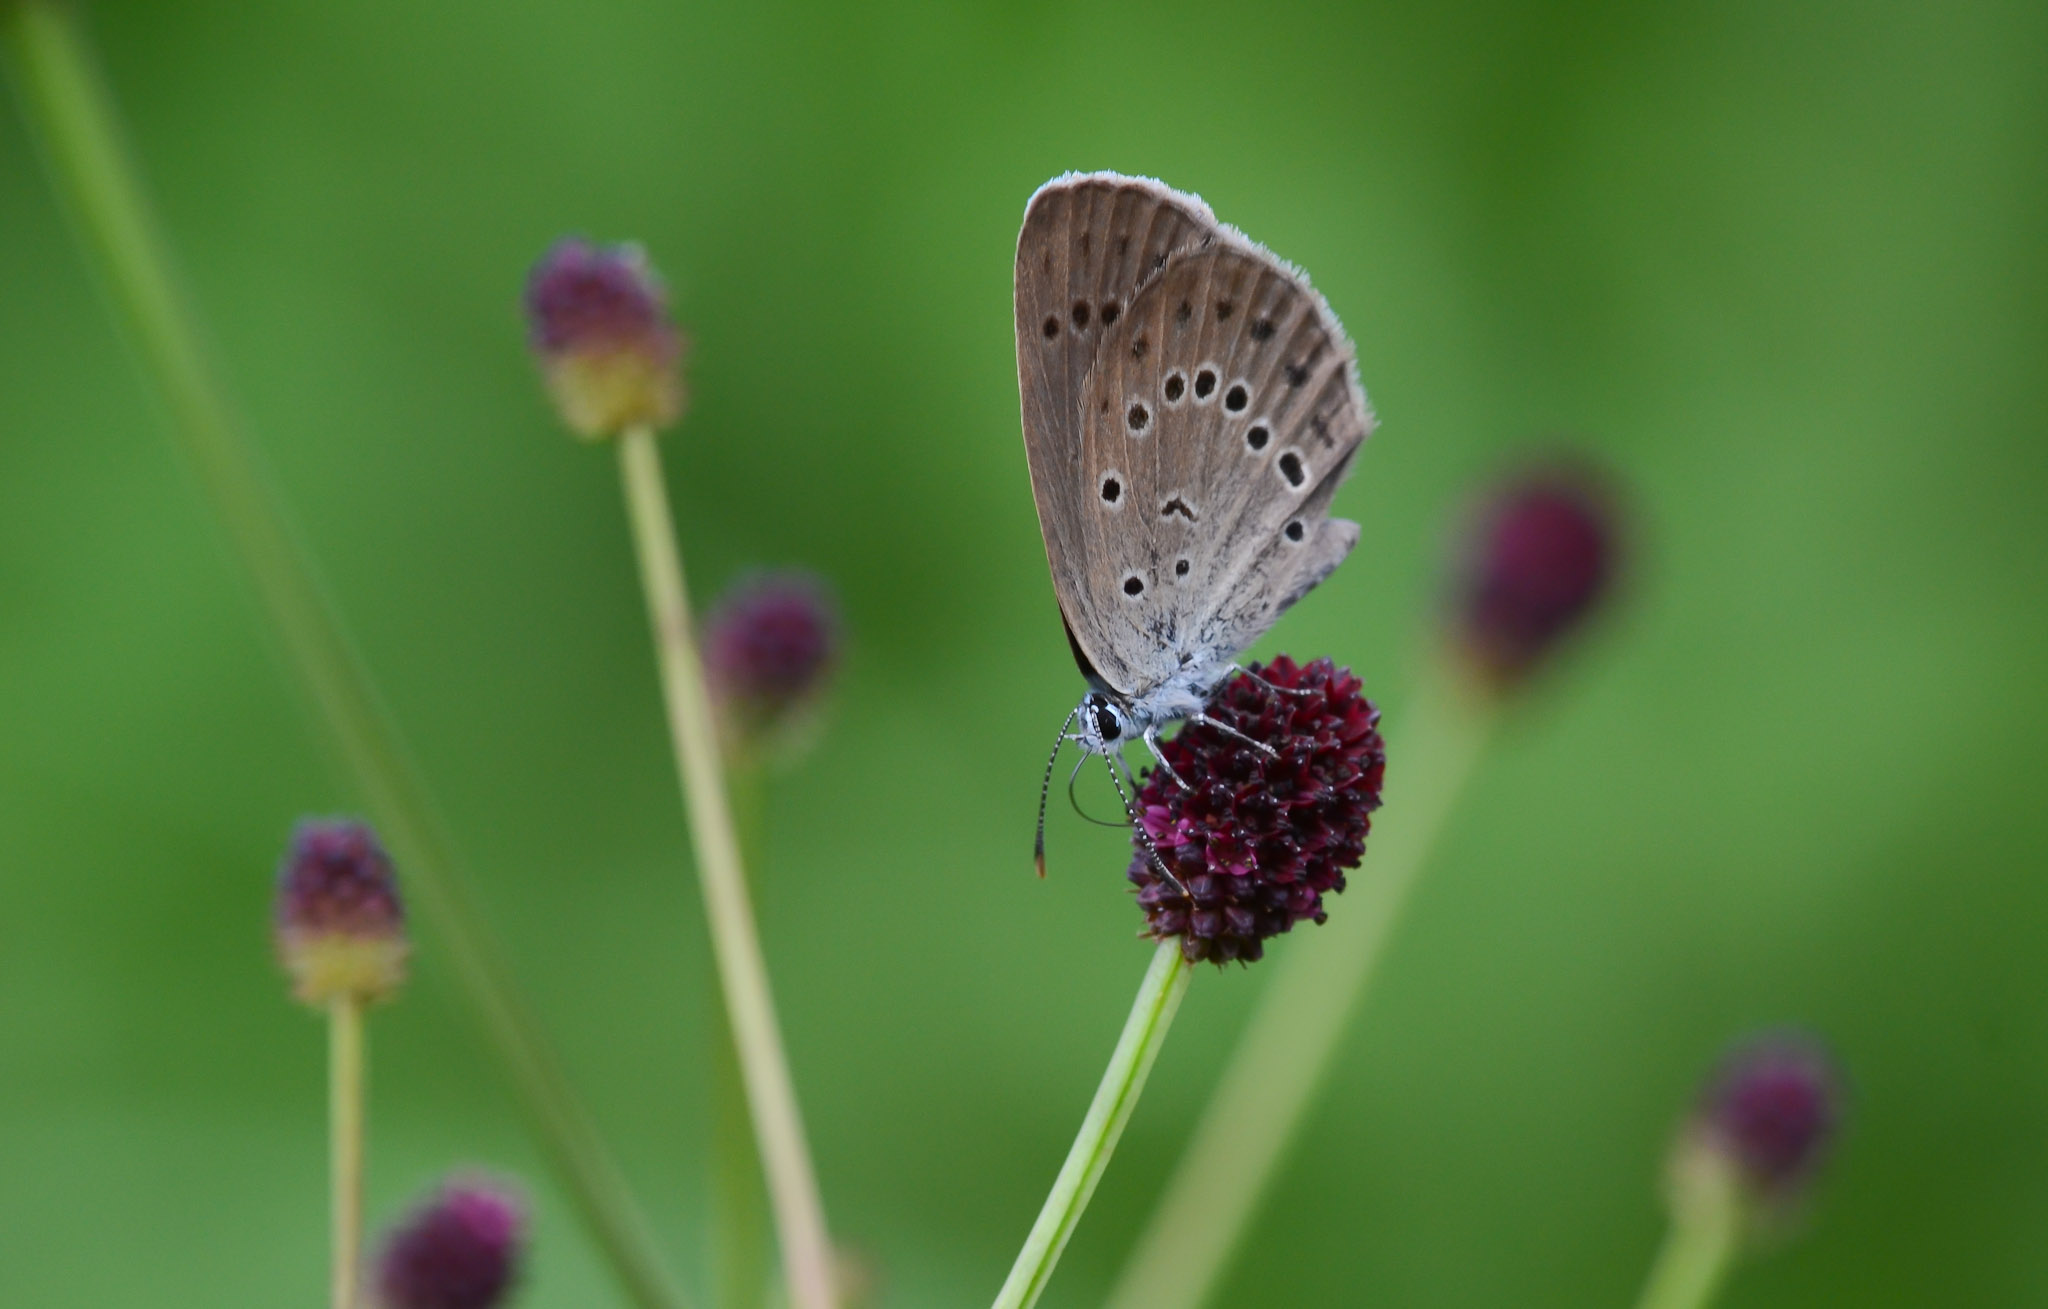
<point x="339" y="923"/>
<point x="460" y="1250"/>
<point x="1537" y="562"/>
<point x="770" y="646"/>
<point x="1762" y="1127"/>
<point x="1258" y="839"/>
<point x="599" y="326"/>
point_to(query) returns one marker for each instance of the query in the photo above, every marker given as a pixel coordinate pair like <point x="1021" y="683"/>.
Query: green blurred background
<point x="1781" y="266"/>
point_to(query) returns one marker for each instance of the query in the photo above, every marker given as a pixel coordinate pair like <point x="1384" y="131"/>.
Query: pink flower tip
<point x="599" y="325"/>
<point x="338" y="921"/>
<point x="770" y="647"/>
<point x="461" y="1249"/>
<point x="1539" y="559"/>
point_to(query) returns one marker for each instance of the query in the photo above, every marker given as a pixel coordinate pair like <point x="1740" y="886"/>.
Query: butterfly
<point x="1190" y="407"/>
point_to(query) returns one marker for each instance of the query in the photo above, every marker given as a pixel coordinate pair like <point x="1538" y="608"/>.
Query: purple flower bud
<point x="1257" y="840"/>
<point x="769" y="648"/>
<point x="339" y="924"/>
<point x="460" y="1250"/>
<point x="1771" y="1112"/>
<point x="600" y="328"/>
<point x="1539" y="559"/>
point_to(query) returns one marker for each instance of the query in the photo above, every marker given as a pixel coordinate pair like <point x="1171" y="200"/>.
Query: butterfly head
<point x="1106" y="723"/>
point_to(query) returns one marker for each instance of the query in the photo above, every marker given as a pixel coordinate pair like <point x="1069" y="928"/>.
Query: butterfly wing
<point x="1089" y="244"/>
<point x="1183" y="455"/>
<point x="1228" y="398"/>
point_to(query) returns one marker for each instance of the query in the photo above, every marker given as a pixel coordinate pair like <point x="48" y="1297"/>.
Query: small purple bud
<point x="1257" y="840"/>
<point x="1771" y="1111"/>
<point x="1539" y="559"/>
<point x="599" y="325"/>
<point x="460" y="1250"/>
<point x="770" y="646"/>
<point x="339" y="924"/>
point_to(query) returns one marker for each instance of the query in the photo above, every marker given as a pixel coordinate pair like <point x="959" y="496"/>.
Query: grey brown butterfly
<point x="1190" y="407"/>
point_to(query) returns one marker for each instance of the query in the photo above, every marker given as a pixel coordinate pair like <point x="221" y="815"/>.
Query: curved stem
<point x="1159" y="995"/>
<point x="68" y="113"/>
<point x="345" y="1077"/>
<point x="735" y="943"/>
<point x="1280" y="1061"/>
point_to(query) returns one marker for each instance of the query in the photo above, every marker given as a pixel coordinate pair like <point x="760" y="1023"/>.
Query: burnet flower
<point x="1255" y="840"/>
<point x="461" y="1249"/>
<point x="770" y="647"/>
<point x="598" y="321"/>
<point x="1538" y="559"/>
<point x="1763" y="1126"/>
<point x="338" y="922"/>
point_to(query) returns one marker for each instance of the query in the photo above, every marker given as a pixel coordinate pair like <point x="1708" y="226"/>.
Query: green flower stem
<point x="739" y="1237"/>
<point x="1159" y="995"/>
<point x="771" y="1098"/>
<point x="69" y="114"/>
<point x="1285" y="1052"/>
<point x="1698" y="1249"/>
<point x="345" y="1144"/>
<point x="739" y="1256"/>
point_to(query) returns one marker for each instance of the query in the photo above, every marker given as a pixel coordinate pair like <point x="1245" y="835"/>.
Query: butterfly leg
<point x="1284" y="690"/>
<point x="1138" y="824"/>
<point x="1228" y="730"/>
<point x="1152" y="744"/>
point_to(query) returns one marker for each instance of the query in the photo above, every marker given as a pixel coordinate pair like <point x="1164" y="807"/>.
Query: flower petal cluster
<point x="1257" y="839"/>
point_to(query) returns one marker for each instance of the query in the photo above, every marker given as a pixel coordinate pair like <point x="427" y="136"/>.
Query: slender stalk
<point x="69" y="114"/>
<point x="345" y="1076"/>
<point x="750" y="1008"/>
<point x="1698" y="1249"/>
<point x="739" y="1255"/>
<point x="1285" y="1052"/>
<point x="1159" y="995"/>
<point x="739" y="1252"/>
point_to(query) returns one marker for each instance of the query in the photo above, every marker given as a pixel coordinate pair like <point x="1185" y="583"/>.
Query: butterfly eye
<point x="1106" y="725"/>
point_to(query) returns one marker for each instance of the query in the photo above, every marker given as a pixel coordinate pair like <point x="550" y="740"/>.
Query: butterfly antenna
<point x="1045" y="789"/>
<point x="1138" y="829"/>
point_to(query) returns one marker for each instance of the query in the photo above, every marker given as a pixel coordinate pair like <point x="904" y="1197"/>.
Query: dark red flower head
<point x="598" y="320"/>
<point x="460" y="1250"/>
<point x="339" y="923"/>
<point x="769" y="647"/>
<point x="1258" y="840"/>
<point x="1539" y="560"/>
<point x="1771" y="1111"/>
